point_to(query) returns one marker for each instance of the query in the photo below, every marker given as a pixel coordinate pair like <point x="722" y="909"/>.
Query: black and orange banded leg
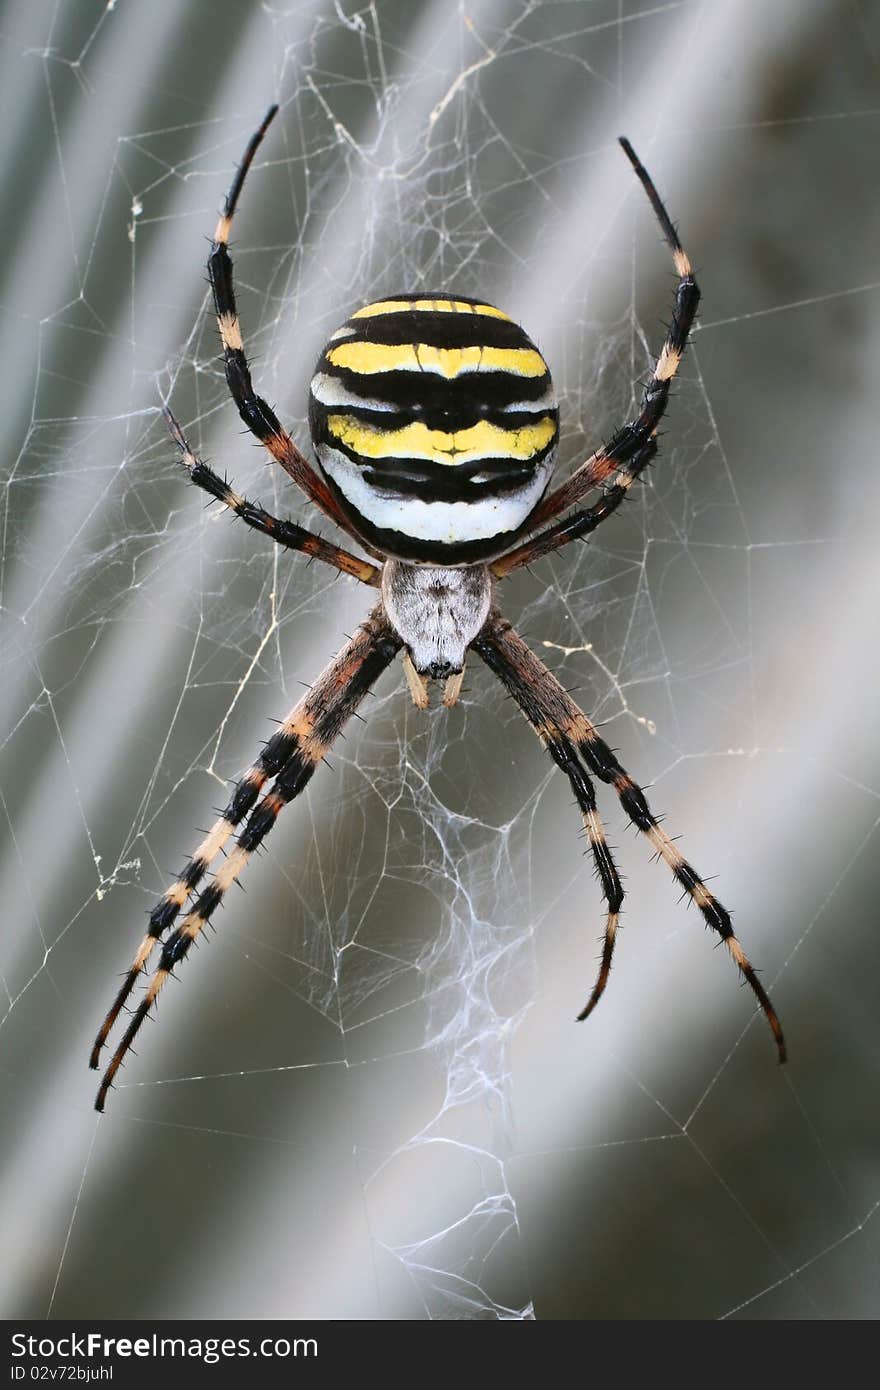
<point x="580" y="524"/>
<point x="559" y="722"/>
<point x="283" y="532"/>
<point x="616" y="466"/>
<point x="565" y="755"/>
<point x="259" y="417"/>
<point x="291" y="757"/>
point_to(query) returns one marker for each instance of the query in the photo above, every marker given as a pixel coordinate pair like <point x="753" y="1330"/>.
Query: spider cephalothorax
<point x="437" y="612"/>
<point x="435" y="426"/>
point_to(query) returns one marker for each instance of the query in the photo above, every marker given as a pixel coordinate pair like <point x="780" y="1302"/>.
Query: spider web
<point x="367" y="1097"/>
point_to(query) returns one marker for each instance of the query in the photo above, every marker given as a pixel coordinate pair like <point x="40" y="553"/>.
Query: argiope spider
<point x="435" y="426"/>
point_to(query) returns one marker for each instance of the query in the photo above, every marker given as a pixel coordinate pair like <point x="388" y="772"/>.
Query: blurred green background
<point x="368" y="1098"/>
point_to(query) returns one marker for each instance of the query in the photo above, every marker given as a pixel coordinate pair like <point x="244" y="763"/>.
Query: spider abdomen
<point x="435" y="423"/>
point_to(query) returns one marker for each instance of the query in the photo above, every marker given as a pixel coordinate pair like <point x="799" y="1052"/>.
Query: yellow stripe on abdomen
<point x="480" y="441"/>
<point x="428" y="306"/>
<point x="370" y="358"/>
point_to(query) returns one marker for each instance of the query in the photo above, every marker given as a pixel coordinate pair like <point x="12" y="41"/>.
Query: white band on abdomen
<point x="449" y="522"/>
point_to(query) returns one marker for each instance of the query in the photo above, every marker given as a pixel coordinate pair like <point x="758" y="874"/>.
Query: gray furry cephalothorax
<point x="436" y="611"/>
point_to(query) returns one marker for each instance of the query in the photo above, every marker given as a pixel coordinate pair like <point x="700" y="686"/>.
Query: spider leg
<point x="579" y="525"/>
<point x="275" y="756"/>
<point x="560" y="724"/>
<point x="618" y="464"/>
<point x="284" y="532"/>
<point x="259" y="417"/>
<point x="291" y="757"/>
<point x="565" y="755"/>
